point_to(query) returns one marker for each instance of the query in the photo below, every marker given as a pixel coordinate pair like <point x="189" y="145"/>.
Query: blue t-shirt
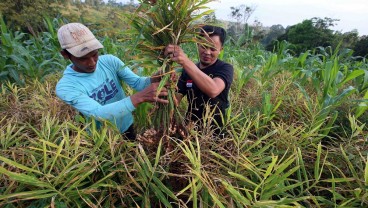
<point x="100" y="94"/>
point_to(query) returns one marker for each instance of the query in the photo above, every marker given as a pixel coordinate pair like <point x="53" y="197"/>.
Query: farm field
<point x="297" y="134"/>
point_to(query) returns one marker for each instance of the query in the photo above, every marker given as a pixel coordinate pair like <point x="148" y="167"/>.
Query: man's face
<point x="208" y="55"/>
<point x="84" y="64"/>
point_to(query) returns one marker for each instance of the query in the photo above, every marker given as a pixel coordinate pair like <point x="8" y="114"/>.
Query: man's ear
<point x="64" y="54"/>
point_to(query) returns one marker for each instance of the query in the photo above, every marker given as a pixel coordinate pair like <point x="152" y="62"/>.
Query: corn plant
<point x="25" y="56"/>
<point x="326" y="79"/>
<point x="245" y="65"/>
<point x="10" y="42"/>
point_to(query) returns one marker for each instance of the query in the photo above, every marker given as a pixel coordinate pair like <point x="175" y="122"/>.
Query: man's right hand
<point x="149" y="94"/>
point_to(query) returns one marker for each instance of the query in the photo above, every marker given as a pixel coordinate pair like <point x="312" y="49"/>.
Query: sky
<point x="353" y="14"/>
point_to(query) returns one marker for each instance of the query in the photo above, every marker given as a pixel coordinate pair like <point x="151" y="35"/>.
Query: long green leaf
<point x="25" y="179"/>
<point x="18" y="165"/>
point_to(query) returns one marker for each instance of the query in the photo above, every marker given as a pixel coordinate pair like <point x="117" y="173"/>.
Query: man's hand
<point x="149" y="94"/>
<point x="176" y="54"/>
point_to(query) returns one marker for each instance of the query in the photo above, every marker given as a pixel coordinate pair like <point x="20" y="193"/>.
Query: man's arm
<point x="89" y="107"/>
<point x="212" y="87"/>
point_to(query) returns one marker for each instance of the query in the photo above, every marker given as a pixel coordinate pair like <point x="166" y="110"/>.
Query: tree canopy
<point x="361" y="47"/>
<point x="310" y="34"/>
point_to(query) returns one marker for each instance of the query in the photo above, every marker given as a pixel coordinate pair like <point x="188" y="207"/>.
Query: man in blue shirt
<point x="91" y="83"/>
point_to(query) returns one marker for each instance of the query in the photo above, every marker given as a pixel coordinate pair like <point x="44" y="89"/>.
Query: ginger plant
<point x="157" y="24"/>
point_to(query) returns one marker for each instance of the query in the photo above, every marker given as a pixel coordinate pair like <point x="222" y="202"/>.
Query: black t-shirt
<point x="198" y="101"/>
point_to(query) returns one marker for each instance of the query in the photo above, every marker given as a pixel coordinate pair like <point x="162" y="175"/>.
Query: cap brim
<point x="85" y="48"/>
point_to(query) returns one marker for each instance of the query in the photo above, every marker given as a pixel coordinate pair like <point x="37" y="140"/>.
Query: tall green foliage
<point x="24" y="56"/>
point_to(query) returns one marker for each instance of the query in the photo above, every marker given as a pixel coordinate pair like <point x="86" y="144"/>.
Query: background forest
<point x="297" y="123"/>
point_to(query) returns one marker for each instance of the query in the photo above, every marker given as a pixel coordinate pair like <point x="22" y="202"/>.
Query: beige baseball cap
<point x="77" y="39"/>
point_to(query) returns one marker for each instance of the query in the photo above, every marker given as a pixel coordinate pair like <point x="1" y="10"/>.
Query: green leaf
<point x="235" y="194"/>
<point x="160" y="195"/>
<point x="28" y="195"/>
<point x="366" y="172"/>
<point x="243" y="178"/>
<point x="352" y="75"/>
<point x="17" y="165"/>
<point x="25" y="179"/>
<point x="164" y="188"/>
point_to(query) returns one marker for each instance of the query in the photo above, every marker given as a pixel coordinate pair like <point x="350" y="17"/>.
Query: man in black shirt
<point x="207" y="83"/>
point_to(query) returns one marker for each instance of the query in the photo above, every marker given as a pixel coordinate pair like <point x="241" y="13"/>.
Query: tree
<point x="325" y="23"/>
<point x="258" y="31"/>
<point x="231" y="33"/>
<point x="348" y="39"/>
<point x="361" y="47"/>
<point x="112" y="3"/>
<point x="241" y="14"/>
<point x="310" y="34"/>
<point x="88" y="2"/>
<point x="275" y="32"/>
<point x="210" y="18"/>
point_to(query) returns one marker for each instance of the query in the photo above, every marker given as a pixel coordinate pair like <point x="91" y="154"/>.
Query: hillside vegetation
<point x="106" y="19"/>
